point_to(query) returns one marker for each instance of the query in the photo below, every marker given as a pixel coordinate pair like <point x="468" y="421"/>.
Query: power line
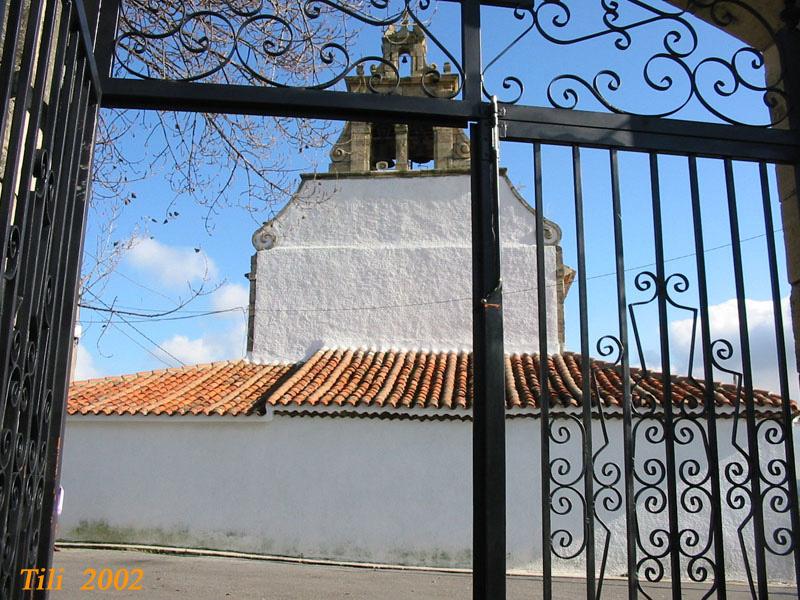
<point x="135" y="341"/>
<point x="137" y="330"/>
<point x="162" y="316"/>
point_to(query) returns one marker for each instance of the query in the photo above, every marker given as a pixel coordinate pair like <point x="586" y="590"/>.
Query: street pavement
<point x="169" y="577"/>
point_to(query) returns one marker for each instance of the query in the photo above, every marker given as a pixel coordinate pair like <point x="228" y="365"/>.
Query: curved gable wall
<point x="385" y="261"/>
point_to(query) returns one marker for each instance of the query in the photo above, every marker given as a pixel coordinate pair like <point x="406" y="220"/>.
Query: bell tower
<point x="365" y="147"/>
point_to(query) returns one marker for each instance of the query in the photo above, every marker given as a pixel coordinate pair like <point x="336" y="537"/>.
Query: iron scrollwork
<point x="606" y="472"/>
<point x="304" y="45"/>
<point x="671" y="77"/>
<point x="773" y="474"/>
<point x="568" y="503"/>
<point x="686" y="431"/>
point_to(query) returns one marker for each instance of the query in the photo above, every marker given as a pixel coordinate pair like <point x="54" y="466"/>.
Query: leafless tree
<point x="216" y="161"/>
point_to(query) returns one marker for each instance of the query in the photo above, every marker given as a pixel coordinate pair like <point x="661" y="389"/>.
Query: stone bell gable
<point x="365" y="147"/>
<point x="377" y="252"/>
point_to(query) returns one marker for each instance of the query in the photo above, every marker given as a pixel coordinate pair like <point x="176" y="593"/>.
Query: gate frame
<point x="488" y="124"/>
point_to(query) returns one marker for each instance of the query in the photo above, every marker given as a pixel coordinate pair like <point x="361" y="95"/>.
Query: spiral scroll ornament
<point x="680" y="422"/>
<point x="647" y="79"/>
<point x="308" y="44"/>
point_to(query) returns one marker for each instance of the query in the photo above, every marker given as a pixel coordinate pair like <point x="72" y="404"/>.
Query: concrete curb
<point x="264" y="557"/>
<point x="172" y="550"/>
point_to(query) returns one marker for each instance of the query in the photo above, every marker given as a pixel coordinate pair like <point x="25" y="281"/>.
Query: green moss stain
<point x="103" y="532"/>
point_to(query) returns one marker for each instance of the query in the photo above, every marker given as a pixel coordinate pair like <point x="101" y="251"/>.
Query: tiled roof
<point x="222" y="388"/>
<point x="385" y="383"/>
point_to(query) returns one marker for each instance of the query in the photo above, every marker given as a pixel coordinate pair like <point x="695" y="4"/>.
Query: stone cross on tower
<point x="365" y="147"/>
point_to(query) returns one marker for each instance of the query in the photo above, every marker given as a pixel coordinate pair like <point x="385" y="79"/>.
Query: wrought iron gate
<point x="227" y="57"/>
<point x="49" y="91"/>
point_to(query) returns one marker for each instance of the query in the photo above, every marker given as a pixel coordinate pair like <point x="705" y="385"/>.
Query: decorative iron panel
<point x="629" y="57"/>
<point x="309" y="44"/>
<point x="48" y="124"/>
<point x="642" y="58"/>
<point x="701" y="491"/>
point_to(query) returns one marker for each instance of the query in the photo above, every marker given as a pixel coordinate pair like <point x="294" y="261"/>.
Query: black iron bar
<point x="62" y="328"/>
<point x="544" y="374"/>
<point x="666" y="381"/>
<point x="708" y="383"/>
<point x="9" y="63"/>
<point x="63" y="339"/>
<point x="87" y="45"/>
<point x="106" y="35"/>
<point x="471" y="53"/>
<point x="15" y="380"/>
<point x="754" y="470"/>
<point x="665" y="136"/>
<point x="788" y="43"/>
<point x="14" y="150"/>
<point x="557" y="126"/>
<point x="64" y="143"/>
<point x="27" y="286"/>
<point x="488" y="410"/>
<point x="625" y="372"/>
<point x="61" y="91"/>
<point x="593" y="589"/>
<point x="294" y="102"/>
<point x="783" y="373"/>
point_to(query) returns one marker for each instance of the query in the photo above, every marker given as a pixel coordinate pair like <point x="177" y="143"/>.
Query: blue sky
<point x="176" y="255"/>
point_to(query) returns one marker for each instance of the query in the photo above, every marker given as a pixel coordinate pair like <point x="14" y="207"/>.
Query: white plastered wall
<point x="358" y="489"/>
<point x="385" y="262"/>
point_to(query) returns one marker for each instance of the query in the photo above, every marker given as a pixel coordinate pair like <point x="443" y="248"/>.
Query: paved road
<point x="169" y="577"/>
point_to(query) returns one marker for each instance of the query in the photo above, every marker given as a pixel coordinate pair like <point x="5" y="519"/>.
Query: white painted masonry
<point x="395" y="247"/>
<point x="363" y="489"/>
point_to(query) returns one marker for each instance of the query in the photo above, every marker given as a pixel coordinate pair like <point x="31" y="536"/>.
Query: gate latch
<point x="494" y="299"/>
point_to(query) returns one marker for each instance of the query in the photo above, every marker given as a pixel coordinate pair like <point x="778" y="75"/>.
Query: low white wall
<point x="341" y="488"/>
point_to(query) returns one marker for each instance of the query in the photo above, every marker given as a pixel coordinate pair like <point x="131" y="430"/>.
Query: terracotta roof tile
<point x="380" y="382"/>
<point x="224" y="388"/>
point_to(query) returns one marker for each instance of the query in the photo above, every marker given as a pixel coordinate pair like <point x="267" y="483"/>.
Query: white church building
<point x="345" y="433"/>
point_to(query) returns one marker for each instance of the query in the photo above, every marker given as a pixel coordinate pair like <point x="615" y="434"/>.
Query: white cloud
<point x="235" y="339"/>
<point x="84" y="365"/>
<point x="191" y="351"/>
<point x="724" y="324"/>
<point x="231" y="296"/>
<point x="171" y="266"/>
<point x="228" y="344"/>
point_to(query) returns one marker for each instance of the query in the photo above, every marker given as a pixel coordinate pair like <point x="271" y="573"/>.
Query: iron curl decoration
<point x="737" y="473"/>
<point x="566" y="495"/>
<point x="652" y="431"/>
<point x="606" y="473"/>
<point x="308" y="44"/>
<point x="775" y="482"/>
<point x="680" y="71"/>
<point x="568" y="501"/>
